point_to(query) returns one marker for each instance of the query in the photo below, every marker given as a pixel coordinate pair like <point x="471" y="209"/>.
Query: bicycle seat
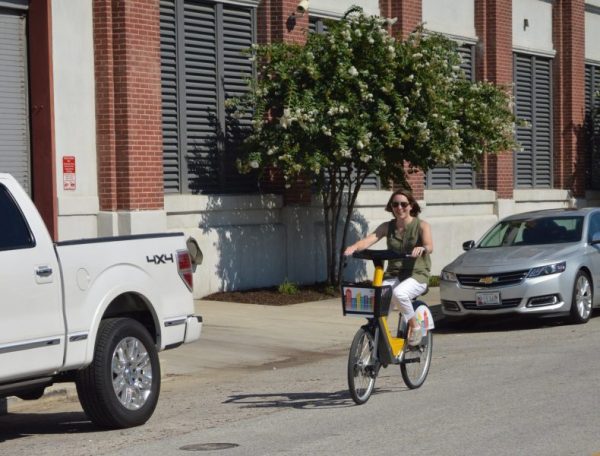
<point x="379" y="255"/>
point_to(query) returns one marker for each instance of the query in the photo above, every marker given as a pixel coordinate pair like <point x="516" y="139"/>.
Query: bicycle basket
<point x="365" y="300"/>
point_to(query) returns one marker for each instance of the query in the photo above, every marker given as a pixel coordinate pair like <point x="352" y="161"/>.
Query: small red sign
<point x="69" y="174"/>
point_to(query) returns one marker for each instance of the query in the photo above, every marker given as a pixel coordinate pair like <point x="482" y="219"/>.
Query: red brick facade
<point x="494" y="63"/>
<point x="128" y="104"/>
<point x="408" y="15"/>
<point x="568" y="35"/>
<point x="127" y="57"/>
<point x="278" y="21"/>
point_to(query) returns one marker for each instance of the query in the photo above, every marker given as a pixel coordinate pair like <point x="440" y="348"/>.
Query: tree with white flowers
<point x="357" y="102"/>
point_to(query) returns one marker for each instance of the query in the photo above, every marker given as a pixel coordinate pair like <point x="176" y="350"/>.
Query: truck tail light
<point x="184" y="267"/>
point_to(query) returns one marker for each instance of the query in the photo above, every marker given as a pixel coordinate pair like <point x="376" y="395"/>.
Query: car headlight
<point x="448" y="276"/>
<point x="548" y="269"/>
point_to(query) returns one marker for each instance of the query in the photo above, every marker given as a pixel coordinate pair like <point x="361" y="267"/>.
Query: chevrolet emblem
<point x="488" y="280"/>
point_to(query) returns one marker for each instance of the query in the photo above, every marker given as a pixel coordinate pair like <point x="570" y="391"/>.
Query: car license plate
<point x="488" y="299"/>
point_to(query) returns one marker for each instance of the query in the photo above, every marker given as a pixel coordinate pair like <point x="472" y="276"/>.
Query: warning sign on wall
<point x="69" y="176"/>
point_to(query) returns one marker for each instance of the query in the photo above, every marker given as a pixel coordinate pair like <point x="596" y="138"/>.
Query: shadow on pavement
<point x="18" y="425"/>
<point x="292" y="400"/>
<point x="499" y="323"/>
<point x="314" y="400"/>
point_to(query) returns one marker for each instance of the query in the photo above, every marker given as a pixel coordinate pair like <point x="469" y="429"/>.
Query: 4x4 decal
<point x="160" y="259"/>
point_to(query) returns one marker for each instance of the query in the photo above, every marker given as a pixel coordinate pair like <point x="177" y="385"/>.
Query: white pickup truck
<point x="94" y="312"/>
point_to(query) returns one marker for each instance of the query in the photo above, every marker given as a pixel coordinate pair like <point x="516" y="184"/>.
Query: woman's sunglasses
<point x="403" y="204"/>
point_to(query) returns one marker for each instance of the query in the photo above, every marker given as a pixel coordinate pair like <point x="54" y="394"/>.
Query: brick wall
<point x="128" y="104"/>
<point x="494" y="63"/>
<point x="409" y="15"/>
<point x="568" y="36"/>
<point x="41" y="99"/>
<point x="278" y="21"/>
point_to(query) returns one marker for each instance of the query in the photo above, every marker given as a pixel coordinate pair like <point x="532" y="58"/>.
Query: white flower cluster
<point x="298" y="115"/>
<point x="341" y="109"/>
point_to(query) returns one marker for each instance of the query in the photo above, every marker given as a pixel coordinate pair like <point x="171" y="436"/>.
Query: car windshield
<point x="532" y="231"/>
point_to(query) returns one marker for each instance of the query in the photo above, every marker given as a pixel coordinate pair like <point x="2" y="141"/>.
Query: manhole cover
<point x="208" y="446"/>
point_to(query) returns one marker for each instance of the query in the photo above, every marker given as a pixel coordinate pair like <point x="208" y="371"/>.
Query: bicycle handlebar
<point x="380" y="255"/>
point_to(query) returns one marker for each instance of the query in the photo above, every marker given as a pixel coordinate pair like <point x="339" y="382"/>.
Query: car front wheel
<point x="581" y="304"/>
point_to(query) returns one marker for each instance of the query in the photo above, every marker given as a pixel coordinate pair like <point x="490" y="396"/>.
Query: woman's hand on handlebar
<point x="418" y="251"/>
<point x="350" y="250"/>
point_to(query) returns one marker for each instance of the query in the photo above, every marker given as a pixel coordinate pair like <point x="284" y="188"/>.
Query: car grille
<point x="501" y="279"/>
<point x="505" y="304"/>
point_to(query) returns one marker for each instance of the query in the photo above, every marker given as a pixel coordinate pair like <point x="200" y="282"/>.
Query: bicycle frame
<point x="377" y="314"/>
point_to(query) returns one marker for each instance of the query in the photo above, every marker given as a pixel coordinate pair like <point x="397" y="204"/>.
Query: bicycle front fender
<point x="424" y="315"/>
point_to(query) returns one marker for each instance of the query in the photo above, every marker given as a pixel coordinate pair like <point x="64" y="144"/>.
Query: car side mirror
<point x="468" y="245"/>
<point x="595" y="238"/>
<point x="195" y="252"/>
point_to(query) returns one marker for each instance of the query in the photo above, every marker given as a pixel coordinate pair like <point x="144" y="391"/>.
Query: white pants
<point x="403" y="293"/>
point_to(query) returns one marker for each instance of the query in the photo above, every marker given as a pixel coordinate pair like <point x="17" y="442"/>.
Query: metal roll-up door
<point x="533" y="104"/>
<point x="15" y="156"/>
<point x="461" y="175"/>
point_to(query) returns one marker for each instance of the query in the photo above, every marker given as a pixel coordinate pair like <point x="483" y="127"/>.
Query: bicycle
<point x="373" y="345"/>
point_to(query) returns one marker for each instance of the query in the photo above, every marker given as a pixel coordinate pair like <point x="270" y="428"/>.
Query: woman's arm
<point x="368" y="241"/>
<point x="426" y="238"/>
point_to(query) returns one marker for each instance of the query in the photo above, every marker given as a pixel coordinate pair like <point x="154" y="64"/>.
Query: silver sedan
<point x="542" y="262"/>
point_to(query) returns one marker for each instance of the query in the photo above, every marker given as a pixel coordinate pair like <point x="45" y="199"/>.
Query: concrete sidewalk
<point x="237" y="335"/>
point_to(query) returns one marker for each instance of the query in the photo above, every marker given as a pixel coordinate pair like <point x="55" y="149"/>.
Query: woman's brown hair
<point x="415" y="209"/>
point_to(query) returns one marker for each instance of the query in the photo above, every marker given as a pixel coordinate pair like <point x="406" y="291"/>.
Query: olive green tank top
<point x="417" y="268"/>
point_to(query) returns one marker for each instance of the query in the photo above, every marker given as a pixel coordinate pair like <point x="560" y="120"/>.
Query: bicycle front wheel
<point x="416" y="362"/>
<point x="362" y="366"/>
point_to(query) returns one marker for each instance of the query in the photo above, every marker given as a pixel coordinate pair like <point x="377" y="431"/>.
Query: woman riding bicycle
<point x="408" y="277"/>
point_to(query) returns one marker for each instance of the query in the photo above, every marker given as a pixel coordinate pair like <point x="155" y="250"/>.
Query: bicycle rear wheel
<point x="416" y="362"/>
<point x="362" y="366"/>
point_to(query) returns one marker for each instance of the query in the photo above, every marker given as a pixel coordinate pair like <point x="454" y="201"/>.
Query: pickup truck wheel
<point x="120" y="388"/>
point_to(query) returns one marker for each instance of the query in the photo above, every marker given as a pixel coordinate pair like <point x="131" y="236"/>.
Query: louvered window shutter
<point x="533" y="104"/>
<point x="168" y="74"/>
<point x="592" y="127"/>
<point x="203" y="125"/>
<point x="14" y="112"/>
<point x="462" y="175"/>
<point x="238" y="35"/>
<point x="316" y="25"/>
<point x="201" y="66"/>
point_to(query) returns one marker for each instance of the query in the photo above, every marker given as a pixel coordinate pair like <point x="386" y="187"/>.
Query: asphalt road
<point x="510" y="388"/>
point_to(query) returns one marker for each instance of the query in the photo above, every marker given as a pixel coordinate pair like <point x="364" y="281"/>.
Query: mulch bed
<point x="272" y="296"/>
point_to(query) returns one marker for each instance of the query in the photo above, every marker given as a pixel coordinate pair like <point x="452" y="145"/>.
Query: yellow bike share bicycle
<point x="373" y="345"/>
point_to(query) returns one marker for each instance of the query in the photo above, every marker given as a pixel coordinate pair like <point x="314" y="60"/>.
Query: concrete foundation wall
<point x="256" y="241"/>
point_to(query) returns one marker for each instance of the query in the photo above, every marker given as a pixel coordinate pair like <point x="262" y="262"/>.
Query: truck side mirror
<point x="468" y="245"/>
<point x="195" y="252"/>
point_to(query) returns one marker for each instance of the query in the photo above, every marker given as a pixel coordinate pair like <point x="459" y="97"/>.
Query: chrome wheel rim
<point x="131" y="373"/>
<point x="583" y="297"/>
